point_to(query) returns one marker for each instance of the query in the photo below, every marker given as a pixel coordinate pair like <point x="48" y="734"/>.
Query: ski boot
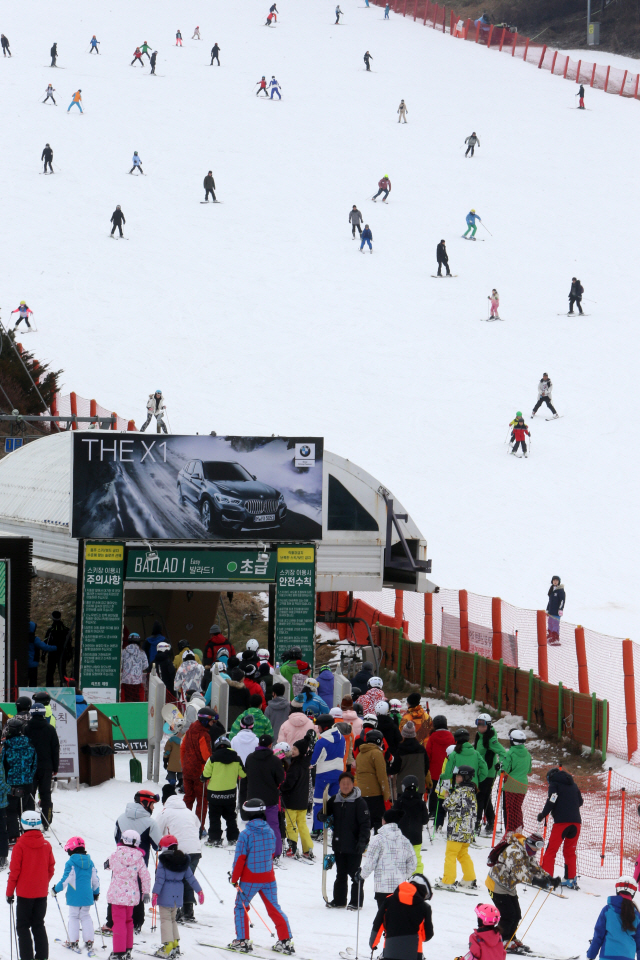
<point x="106" y="931"/>
<point x="570" y="884"/>
<point x="175" y="952"/>
<point x="166" y="950"/>
<point x="213" y="843"/>
<point x="293" y="849"/>
<point x="117" y="956"/>
<point x="242" y="946"/>
<point x="439" y="885"/>
<point x="469" y="884"/>
<point x="309" y="855"/>
<point x="283" y="946"/>
<point x="89" y="947"/>
<point x="72" y="945"/>
<point x="517" y="946"/>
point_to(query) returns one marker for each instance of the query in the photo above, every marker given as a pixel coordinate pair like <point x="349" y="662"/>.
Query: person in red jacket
<point x="519" y="429"/>
<point x="32" y="867"/>
<point x="137" y="57"/>
<point x="195" y="750"/>
<point x="216" y="642"/>
<point x="250" y="675"/>
<point x="436" y="747"/>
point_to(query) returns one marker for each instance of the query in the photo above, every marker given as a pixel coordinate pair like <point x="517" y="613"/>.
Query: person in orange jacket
<point x="195" y="750"/>
<point x="77" y="97"/>
<point x="32" y="867"/>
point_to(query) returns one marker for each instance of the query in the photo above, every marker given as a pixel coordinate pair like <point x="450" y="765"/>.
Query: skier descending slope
<point x="47" y="156"/>
<point x="472" y="216"/>
<point x="93" y="45"/>
<point x="178" y="39"/>
<point x="137" y="163"/>
<point x="575" y="295"/>
<point x="472" y="143"/>
<point x="117" y="219"/>
<point x="402" y="112"/>
<point x="137" y="57"/>
<point x="367" y="58"/>
<point x="338" y="14"/>
<point x="262" y="87"/>
<point x="152" y="61"/>
<point x="519" y="429"/>
<point x="275" y="88"/>
<point x="77" y="98"/>
<point x="367" y="237"/>
<point x="252" y="874"/>
<point x="54" y="54"/>
<point x="355" y="219"/>
<point x="384" y="186"/>
<point x="209" y="187"/>
<point x="145" y="49"/>
<point x="5" y="45"/>
<point x="544" y="396"/>
<point x="24" y="312"/>
<point x="215" y="54"/>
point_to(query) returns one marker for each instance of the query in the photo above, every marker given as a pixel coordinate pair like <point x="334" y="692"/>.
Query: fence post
<point x="435" y="15"/>
<point x="452" y="27"/>
<point x="636" y="90"/>
<point x="415" y="11"/>
<point x="513" y="46"/>
<point x="444" y="19"/>
<point x="464" y="620"/>
<point x="544" y="50"/>
<point x="114" y="425"/>
<point x="530" y="696"/>
<point x="448" y="668"/>
<point x="428" y="618"/>
<point x="606" y="818"/>
<point x="466" y="28"/>
<point x="496" y="624"/>
<point x="604" y="736"/>
<point x="489" y="37"/>
<point x="500" y="671"/>
<point x="504" y="30"/>
<point x="606" y="79"/>
<point x="622" y="800"/>
<point x="475" y="676"/>
<point x="73" y="400"/>
<point x="629" y="697"/>
<point x="624" y="80"/>
<point x="553" y="62"/>
<point x="426" y="13"/>
<point x="594" y="708"/>
<point x="566" y="67"/>
<point x="578" y="73"/>
<point x="398" y="615"/>
<point x="526" y="50"/>
<point x="404" y="9"/>
<point x="93" y="408"/>
<point x="581" y="655"/>
<point x="131" y="425"/>
<point x="399" y="666"/>
<point x="560" y="710"/>
<point x="593" y="74"/>
<point x="543" y="668"/>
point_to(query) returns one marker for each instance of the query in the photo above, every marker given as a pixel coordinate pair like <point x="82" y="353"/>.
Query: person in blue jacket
<point x="151" y="643"/>
<point x="328" y="759"/>
<point x="386" y="11"/>
<point x="325" y="684"/>
<point x="367" y="237"/>
<point x="311" y="702"/>
<point x="94" y="45"/>
<point x="36" y="645"/>
<point x="617" y="931"/>
<point x="137" y="163"/>
<point x="80" y="878"/>
<point x="472" y="216"/>
<point x="173" y="870"/>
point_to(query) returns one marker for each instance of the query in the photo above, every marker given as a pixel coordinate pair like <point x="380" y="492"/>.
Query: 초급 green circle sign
<point x="232" y="567"/>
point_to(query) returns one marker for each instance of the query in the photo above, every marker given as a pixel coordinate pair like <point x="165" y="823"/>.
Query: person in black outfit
<point x="152" y="61"/>
<point x="294" y="791"/>
<point x="405" y="919"/>
<point x="563" y="803"/>
<point x="443" y="258"/>
<point x="580" y="94"/>
<point x="362" y="678"/>
<point x="575" y="295"/>
<point x="117" y="219"/>
<point x="387" y="727"/>
<point x="54" y="54"/>
<point x="351" y="832"/>
<point x="58" y="632"/>
<point x="47" y="156"/>
<point x="415" y="811"/>
<point x="265" y="773"/>
<point x="209" y="185"/>
<point x="367" y="57"/>
<point x="555" y="608"/>
<point x="215" y="50"/>
<point x="5" y="45"/>
<point x="164" y="665"/>
<point x="47" y="746"/>
<point x="222" y="804"/>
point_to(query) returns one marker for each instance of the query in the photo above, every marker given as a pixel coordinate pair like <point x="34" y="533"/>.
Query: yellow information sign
<point x="296" y="554"/>
<point x="102" y="551"/>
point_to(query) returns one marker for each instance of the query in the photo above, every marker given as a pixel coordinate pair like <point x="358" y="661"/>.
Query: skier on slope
<point x="117" y="219"/>
<point x="580" y="94"/>
<point x="518" y="431"/>
<point x="402" y="112"/>
<point x="152" y="61"/>
<point x="575" y="295"/>
<point x="472" y="142"/>
<point x="485" y="943"/>
<point x="178" y="39"/>
<point x="137" y="163"/>
<point x="367" y="58"/>
<point x="215" y="54"/>
<point x="144" y="48"/>
<point x="513" y="861"/>
<point x="555" y="609"/>
<point x="443" y="258"/>
<point x="54" y="54"/>
<point x="156" y="407"/>
<point x="93" y="45"/>
<point x="209" y="185"/>
<point x="252" y="874"/>
<point x="275" y="88"/>
<point x="384" y="186"/>
<point x="273" y="9"/>
<point x="544" y="396"/>
<point x="24" y="312"/>
<point x="270" y="18"/>
<point x="137" y="57"/>
<point x="494" y="301"/>
<point x="471" y="218"/>
<point x="49" y="94"/>
<point x="355" y="219"/>
<point x="47" y="156"/>
<point x="386" y="10"/>
<point x="262" y="86"/>
<point x="563" y="803"/>
<point x="338" y="13"/>
<point x="77" y="100"/>
<point x="405" y="919"/>
<point x="5" y="45"/>
<point x="196" y="34"/>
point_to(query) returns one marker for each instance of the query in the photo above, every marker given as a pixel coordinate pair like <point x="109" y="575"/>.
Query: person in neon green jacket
<point x="516" y="769"/>
<point x="465" y="755"/>
<point x="493" y="754"/>
<point x="261" y="724"/>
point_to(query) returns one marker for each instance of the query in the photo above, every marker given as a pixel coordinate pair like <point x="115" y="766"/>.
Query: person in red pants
<point x="563" y="803"/>
<point x="195" y="750"/>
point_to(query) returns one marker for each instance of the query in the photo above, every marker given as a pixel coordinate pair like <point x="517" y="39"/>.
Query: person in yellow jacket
<point x="45" y="698"/>
<point x="182" y="646"/>
<point x="221" y="774"/>
<point x="77" y="97"/>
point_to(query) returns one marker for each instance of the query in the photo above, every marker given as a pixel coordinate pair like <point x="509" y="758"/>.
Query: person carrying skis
<point x="494" y="301"/>
<point x="93" y="45"/>
<point x="152" y="61"/>
<point x="82" y="887"/>
<point x="54" y="54"/>
<point x="513" y="861"/>
<point x="461" y="807"/>
<point x="137" y="163"/>
<point x="575" y="295"/>
<point x="472" y="142"/>
<point x="173" y="872"/>
<point x="384" y="186"/>
<point x="215" y="54"/>
<point x="275" y="88"/>
<point x="77" y="98"/>
<point x="387" y="7"/>
<point x="367" y="58"/>
<point x="338" y="14"/>
<point x="49" y="94"/>
<point x="253" y="873"/>
<point x="5" y="45"/>
<point x="137" y="57"/>
<point x="617" y="929"/>
<point x="130" y="885"/>
<point x="516" y="767"/>
<point x="196" y="34"/>
<point x="555" y="609"/>
<point x="518" y="431"/>
<point x="209" y="185"/>
<point x="563" y="803"/>
<point x="402" y="112"/>
<point x="493" y="753"/>
<point x="389" y="856"/>
<point x="471" y="218"/>
<point x="47" y="156"/>
<point x="156" y="407"/>
<point x="117" y="219"/>
<point x="443" y="258"/>
<point x="24" y="312"/>
<point x="404" y="918"/>
<point x="580" y="94"/>
<point x="32" y="867"/>
<point x="178" y="39"/>
<point x="485" y="943"/>
<point x="544" y="396"/>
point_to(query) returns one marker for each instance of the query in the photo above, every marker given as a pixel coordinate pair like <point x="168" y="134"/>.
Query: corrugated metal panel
<point x="35" y="481"/>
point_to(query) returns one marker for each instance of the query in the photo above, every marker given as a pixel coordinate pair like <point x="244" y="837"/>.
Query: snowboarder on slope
<point x="402" y="112"/>
<point x="472" y="142"/>
<point x="54" y="54"/>
<point x="367" y="57"/>
<point x="275" y="88"/>
<point x="367" y="237"/>
<point x="338" y="13"/>
<point x="555" y="609"/>
<point x="384" y="186"/>
<point x="494" y="300"/>
<point x="215" y="54"/>
<point x="544" y="396"/>
<point x="137" y="57"/>
<point x="209" y="185"/>
<point x="405" y="919"/>
<point x="155" y="408"/>
<point x="580" y="94"/>
<point x="472" y="216"/>
<point x="575" y="295"/>
<point x="24" y="312"/>
<point x="137" y="163"/>
<point x="47" y="156"/>
<point x="519" y="429"/>
<point x="252" y="874"/>
<point x="443" y="258"/>
<point x="5" y="45"/>
<point x="117" y="219"/>
<point x="355" y="219"/>
<point x="152" y="61"/>
<point x="196" y="34"/>
<point x="93" y="45"/>
<point x="178" y="39"/>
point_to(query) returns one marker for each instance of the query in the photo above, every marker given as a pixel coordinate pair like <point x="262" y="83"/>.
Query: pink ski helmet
<point x="73" y="843"/>
<point x="488" y="914"/>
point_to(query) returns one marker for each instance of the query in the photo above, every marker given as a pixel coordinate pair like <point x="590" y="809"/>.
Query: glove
<point x="555" y="882"/>
<point x="10" y="899"/>
<point x="325" y="816"/>
<point x="201" y="897"/>
<point x="154" y="900"/>
<point x="96" y="896"/>
<point x="146" y="898"/>
<point x="540" y="817"/>
<point x="165" y="764"/>
<point x="357" y="875"/>
<point x="53" y="892"/>
<point x="203" y="779"/>
<point x="560" y="612"/>
<point x="105" y="865"/>
<point x="387" y="804"/>
<point x="230" y="878"/>
<point x="540" y="882"/>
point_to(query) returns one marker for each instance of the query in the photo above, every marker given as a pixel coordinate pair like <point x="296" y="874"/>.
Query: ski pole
<point x="104" y="946"/>
<point x="203" y="875"/>
<point x="241" y="895"/>
<point x="49" y="827"/>
<point x="15" y="932"/>
<point x="538" y="911"/>
<point x="522" y="918"/>
<point x="358" y="920"/>
<point x="66" y="932"/>
<point x="488" y="231"/>
<point x="435" y="820"/>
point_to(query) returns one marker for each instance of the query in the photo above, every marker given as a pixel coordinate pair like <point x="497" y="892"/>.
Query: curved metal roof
<point x="35" y="481"/>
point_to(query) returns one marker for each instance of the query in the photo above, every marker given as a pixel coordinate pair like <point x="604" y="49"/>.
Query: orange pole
<point x="497" y="812"/>
<point x="397" y="612"/>
<point x="606" y="79"/>
<point x="73" y="400"/>
<point x="428" y="618"/>
<point x="629" y="697"/>
<point x="496" y="622"/>
<point x="131" y="425"/>
<point x="544" y="50"/>
<point x="543" y="668"/>
<point x="622" y="798"/>
<point x="606" y="818"/>
<point x="515" y="40"/>
<point x="578" y="73"/>
<point x="593" y="74"/>
<point x="624" y="80"/>
<point x="490" y="35"/>
<point x="581" y="654"/>
<point x="464" y="620"/>
<point x="114" y="425"/>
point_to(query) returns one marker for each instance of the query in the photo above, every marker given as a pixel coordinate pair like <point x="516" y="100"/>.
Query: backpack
<point x="494" y="854"/>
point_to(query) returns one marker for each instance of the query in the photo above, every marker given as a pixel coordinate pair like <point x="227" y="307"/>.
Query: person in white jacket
<point x="246" y="741"/>
<point x="545" y="388"/>
<point x="389" y="856"/>
<point x="156" y="407"/>
<point x="183" y="824"/>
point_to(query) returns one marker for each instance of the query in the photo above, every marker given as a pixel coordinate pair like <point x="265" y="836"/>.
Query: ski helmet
<point x="183" y="644"/>
<point x="162" y="647"/>
<point x="534" y="842"/>
<point x="626" y="886"/>
<point x="282" y="748"/>
<point x="517" y="736"/>
<point x="556" y="577"/>
<point x="484" y="718"/>
<point x="135" y="636"/>
<point x="255" y="809"/>
<point x="252" y="645"/>
<point x="382" y="708"/>
<point x="461" y="735"/>
<point x="168" y="841"/>
<point x="146" y="799"/>
<point x="395" y="704"/>
<point x="222" y="742"/>
<point x="518" y="413"/>
<point x="23" y="704"/>
<point x="370" y="720"/>
<point x="30" y="820"/>
<point x="247" y="721"/>
<point x="312" y="683"/>
<point x="14" y="726"/>
<point x="488" y="914"/>
<point x="205" y="715"/>
<point x="38" y="710"/>
<point x="467" y="773"/>
<point x="23" y="303"/>
<point x="375" y="683"/>
<point x="130" y="838"/>
<point x="422" y="885"/>
<point x="440" y="722"/>
<point x="42" y="697"/>
<point x="73" y="844"/>
<point x="375" y="736"/>
<point x="410" y="784"/>
<point x="263" y="653"/>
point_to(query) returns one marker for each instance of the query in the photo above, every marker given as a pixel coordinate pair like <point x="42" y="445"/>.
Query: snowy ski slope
<point x="259" y="315"/>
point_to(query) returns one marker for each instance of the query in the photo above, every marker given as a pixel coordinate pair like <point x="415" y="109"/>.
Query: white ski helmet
<point x="263" y="654"/>
<point x="395" y="704"/>
<point x="382" y="708"/>
<point x="282" y="747"/>
<point x="517" y="736"/>
<point x="370" y="719"/>
<point x="30" y="820"/>
<point x="626" y="885"/>
<point x="484" y="718"/>
<point x="312" y="683"/>
<point x="130" y="838"/>
<point x="252" y="645"/>
<point x="376" y="683"/>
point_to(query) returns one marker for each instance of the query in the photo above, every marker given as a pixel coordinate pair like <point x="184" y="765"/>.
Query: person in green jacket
<point x="516" y="769"/>
<point x="261" y="724"/>
<point x="221" y="774"/>
<point x="493" y="753"/>
<point x="464" y="754"/>
<point x="145" y="49"/>
<point x="289" y="666"/>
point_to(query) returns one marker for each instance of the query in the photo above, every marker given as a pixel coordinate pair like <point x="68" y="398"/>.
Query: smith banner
<point x="139" y="487"/>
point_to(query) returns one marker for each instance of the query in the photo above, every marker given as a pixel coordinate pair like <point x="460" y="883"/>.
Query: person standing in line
<point x="54" y="54"/>
<point x="555" y="609"/>
<point x="367" y="237"/>
<point x="493" y="753"/>
<point x="338" y="14"/>
<point x="195" y="751"/>
<point x="544" y="396"/>
<point x="405" y="919"/>
<point x="575" y="295"/>
<point x="389" y="856"/>
<point x="275" y="88"/>
<point x="516" y="767"/>
<point x="5" y="45"/>
<point x="32" y="867"/>
<point x="93" y="46"/>
<point x="222" y="771"/>
<point x="351" y="832"/>
<point x="130" y="886"/>
<point x="519" y="431"/>
<point x="80" y="878"/>
<point x="176" y="819"/>
<point x="44" y="740"/>
<point x="472" y="142"/>
<point x="384" y="186"/>
<point x="137" y="57"/>
<point x="278" y="709"/>
<point x="402" y="112"/>
<point x="134" y="666"/>
<point x="117" y="219"/>
<point x="355" y="219"/>
<point x="47" y="156"/>
<point x="19" y="763"/>
<point x="25" y="313"/>
<point x="443" y="258"/>
<point x="173" y="874"/>
<point x="328" y="759"/>
<point x="262" y="88"/>
<point x="209" y="187"/>
<point x="152" y="61"/>
<point x="580" y="94"/>
<point x="563" y="803"/>
<point x="50" y="92"/>
<point x="215" y="54"/>
<point x="294" y="791"/>
<point x="372" y="777"/>
<point x="415" y="814"/>
<point x="57" y="634"/>
<point x="494" y="302"/>
<point x="77" y="98"/>
<point x="178" y="39"/>
<point x="196" y="34"/>
<point x="144" y="49"/>
<point x="367" y="58"/>
<point x="137" y="163"/>
<point x="471" y="218"/>
<point x="36" y="648"/>
<point x="461" y="807"/>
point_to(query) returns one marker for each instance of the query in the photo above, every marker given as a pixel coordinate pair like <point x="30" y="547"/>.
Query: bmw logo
<point x="305" y="450"/>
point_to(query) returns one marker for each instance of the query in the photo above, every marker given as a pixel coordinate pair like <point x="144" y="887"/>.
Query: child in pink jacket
<point x="485" y="943"/>
<point x="494" y="300"/>
<point x="128" y="867"/>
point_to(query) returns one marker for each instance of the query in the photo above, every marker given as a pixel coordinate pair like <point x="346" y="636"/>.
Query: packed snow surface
<point x="260" y="316"/>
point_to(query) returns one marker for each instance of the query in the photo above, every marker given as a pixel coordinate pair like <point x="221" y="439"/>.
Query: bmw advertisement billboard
<point x="135" y="487"/>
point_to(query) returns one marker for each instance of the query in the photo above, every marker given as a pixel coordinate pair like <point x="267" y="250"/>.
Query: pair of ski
<point x="256" y="950"/>
<point x="211" y="201"/>
<point x="91" y="952"/>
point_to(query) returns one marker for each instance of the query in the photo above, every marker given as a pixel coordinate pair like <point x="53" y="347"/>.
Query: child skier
<point x="389" y="856"/>
<point x="24" y="312"/>
<point x="77" y="99"/>
<point x="402" y="112"/>
<point x="137" y="163"/>
<point x="617" y="929"/>
<point x="174" y="869"/>
<point x="580" y="95"/>
<point x="462" y="809"/>
<point x="270" y="18"/>
<point x="93" y="47"/>
<point x="367" y="237"/>
<point x="171" y="757"/>
<point x="485" y="943"/>
<point x="252" y="874"/>
<point x="50" y="91"/>
<point x="405" y="919"/>
<point x="387" y="7"/>
<point x="178" y="39"/>
<point x="494" y="300"/>
<point x="222" y="771"/>
<point x="80" y="878"/>
<point x="32" y="867"/>
<point x="196" y="34"/>
<point x="471" y="218"/>
<point x="518" y="431"/>
<point x="415" y="815"/>
<point x="130" y="881"/>
<point x="262" y="86"/>
<point x="472" y="142"/>
<point x="294" y="790"/>
<point x="137" y="57"/>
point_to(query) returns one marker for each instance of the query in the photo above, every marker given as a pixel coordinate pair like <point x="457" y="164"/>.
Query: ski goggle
<point x="535" y="843"/>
